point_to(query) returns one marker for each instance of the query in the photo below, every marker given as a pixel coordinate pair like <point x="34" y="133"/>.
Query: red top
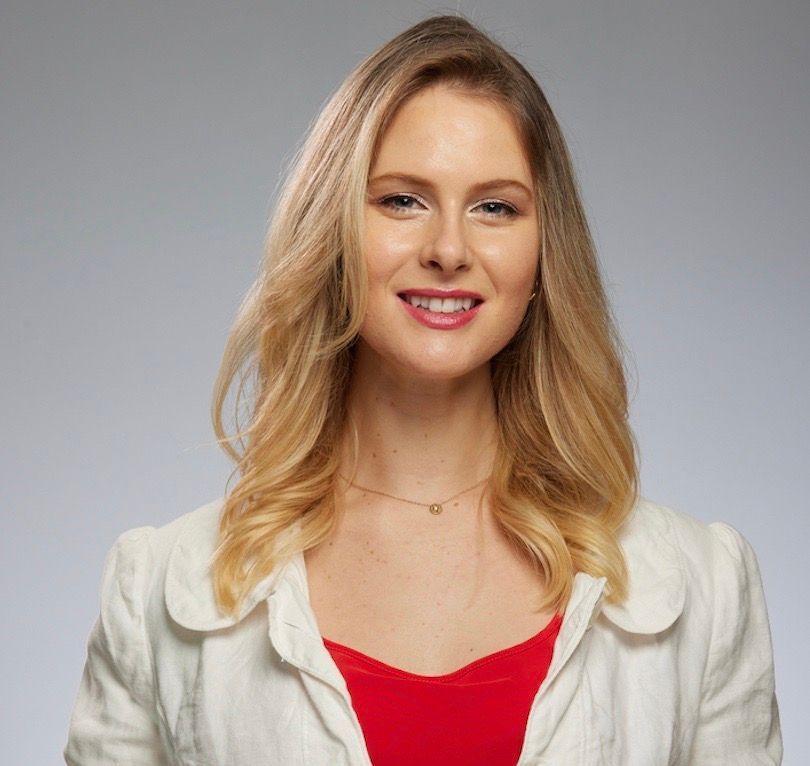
<point x="474" y="716"/>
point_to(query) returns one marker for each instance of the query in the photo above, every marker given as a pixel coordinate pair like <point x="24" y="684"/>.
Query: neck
<point x="421" y="439"/>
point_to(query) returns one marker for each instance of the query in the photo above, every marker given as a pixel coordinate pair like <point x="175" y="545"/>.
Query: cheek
<point x="383" y="259"/>
<point x="386" y="248"/>
<point x="517" y="278"/>
<point x="515" y="254"/>
<point x="517" y="272"/>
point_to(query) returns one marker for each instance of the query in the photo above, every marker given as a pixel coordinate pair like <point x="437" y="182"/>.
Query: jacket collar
<point x="189" y="588"/>
<point x="657" y="579"/>
<point x="656" y="593"/>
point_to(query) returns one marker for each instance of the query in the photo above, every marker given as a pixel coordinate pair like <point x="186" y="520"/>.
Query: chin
<point x="440" y="370"/>
<point x="438" y="361"/>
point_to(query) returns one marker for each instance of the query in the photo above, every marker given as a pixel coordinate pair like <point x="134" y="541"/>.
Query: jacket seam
<point x="697" y="712"/>
<point x="158" y="714"/>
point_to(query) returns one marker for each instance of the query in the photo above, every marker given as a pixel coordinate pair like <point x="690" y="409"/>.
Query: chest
<point x="428" y="602"/>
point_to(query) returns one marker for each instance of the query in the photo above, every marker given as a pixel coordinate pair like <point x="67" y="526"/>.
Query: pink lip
<point x="437" y="320"/>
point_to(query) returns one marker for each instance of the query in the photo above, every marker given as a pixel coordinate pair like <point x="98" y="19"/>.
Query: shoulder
<point x="143" y="561"/>
<point x="675" y="560"/>
<point x="144" y="553"/>
<point x="703" y="548"/>
<point x="652" y="528"/>
<point x="725" y="634"/>
<point x="174" y="565"/>
<point x="196" y="528"/>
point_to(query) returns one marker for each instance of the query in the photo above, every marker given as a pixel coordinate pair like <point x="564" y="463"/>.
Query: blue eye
<point x="407" y="202"/>
<point x="498" y="209"/>
<point x="398" y="202"/>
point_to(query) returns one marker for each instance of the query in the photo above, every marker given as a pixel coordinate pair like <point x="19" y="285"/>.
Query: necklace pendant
<point x="435" y="508"/>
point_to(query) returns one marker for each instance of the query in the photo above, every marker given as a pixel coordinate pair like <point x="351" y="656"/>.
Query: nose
<point x="447" y="248"/>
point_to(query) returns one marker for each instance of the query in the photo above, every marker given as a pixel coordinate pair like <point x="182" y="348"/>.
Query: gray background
<point x="142" y="144"/>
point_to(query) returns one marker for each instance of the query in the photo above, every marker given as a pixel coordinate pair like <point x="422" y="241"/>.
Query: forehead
<point x="444" y="129"/>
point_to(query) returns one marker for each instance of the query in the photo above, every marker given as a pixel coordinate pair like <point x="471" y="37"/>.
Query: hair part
<point x="565" y="474"/>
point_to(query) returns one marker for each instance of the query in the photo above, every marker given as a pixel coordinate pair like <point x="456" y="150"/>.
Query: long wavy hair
<point x="565" y="473"/>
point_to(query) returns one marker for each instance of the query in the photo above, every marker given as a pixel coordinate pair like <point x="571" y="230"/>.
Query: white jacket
<point x="682" y="673"/>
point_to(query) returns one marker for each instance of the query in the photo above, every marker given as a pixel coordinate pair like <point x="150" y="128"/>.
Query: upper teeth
<point x="443" y="305"/>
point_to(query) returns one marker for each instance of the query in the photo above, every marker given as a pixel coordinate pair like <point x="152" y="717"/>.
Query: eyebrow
<point x="497" y="183"/>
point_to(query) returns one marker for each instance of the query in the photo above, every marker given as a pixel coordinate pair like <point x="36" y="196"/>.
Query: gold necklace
<point x="434" y="508"/>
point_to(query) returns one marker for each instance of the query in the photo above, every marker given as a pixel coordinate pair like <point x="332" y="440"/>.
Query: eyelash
<point x="508" y="210"/>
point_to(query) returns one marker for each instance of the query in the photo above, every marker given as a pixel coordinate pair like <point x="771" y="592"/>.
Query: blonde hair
<point x="565" y="474"/>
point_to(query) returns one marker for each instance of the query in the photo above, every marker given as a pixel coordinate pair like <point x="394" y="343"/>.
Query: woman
<point x="434" y="551"/>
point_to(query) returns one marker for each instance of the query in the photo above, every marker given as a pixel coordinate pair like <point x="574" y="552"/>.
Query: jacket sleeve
<point x="738" y="721"/>
<point x="114" y="719"/>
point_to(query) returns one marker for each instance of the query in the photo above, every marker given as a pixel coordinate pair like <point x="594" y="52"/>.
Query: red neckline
<point x="548" y="632"/>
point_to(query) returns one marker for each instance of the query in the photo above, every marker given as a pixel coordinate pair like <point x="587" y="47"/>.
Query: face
<point x="451" y="236"/>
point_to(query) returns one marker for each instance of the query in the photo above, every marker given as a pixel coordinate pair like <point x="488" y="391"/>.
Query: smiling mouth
<point x="440" y="305"/>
